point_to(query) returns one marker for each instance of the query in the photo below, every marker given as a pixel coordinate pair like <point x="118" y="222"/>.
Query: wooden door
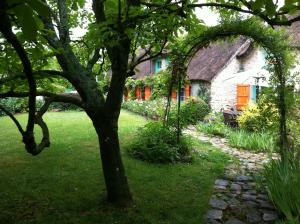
<point x="147" y="92"/>
<point x="138" y="93"/>
<point x="174" y="95"/>
<point x="243" y="95"/>
<point x="187" y="91"/>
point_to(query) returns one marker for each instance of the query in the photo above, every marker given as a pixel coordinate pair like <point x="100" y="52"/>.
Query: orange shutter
<point x="174" y="95"/>
<point x="243" y="95"/>
<point x="187" y="90"/>
<point x="147" y="93"/>
<point x="138" y="94"/>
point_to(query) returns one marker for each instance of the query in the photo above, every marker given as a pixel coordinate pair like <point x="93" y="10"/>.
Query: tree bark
<point x="114" y="173"/>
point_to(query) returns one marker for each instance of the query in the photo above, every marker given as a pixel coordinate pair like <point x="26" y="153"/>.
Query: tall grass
<point x="218" y="129"/>
<point x="283" y="186"/>
<point x="251" y="141"/>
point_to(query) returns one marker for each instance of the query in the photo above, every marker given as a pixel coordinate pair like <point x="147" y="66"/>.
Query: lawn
<point x="64" y="184"/>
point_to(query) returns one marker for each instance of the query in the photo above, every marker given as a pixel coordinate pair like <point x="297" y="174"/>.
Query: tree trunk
<point x="113" y="170"/>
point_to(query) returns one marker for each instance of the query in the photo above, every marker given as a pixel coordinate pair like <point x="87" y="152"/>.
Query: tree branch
<point x="71" y="98"/>
<point x="93" y="60"/>
<point x="63" y="27"/>
<point x="36" y="74"/>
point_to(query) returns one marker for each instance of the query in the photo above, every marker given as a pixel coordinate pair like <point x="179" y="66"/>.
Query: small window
<point x="241" y="66"/>
<point x="182" y="94"/>
<point x="159" y="64"/>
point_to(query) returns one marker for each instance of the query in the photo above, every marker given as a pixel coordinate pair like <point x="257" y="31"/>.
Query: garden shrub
<point x="63" y="106"/>
<point x="158" y="144"/>
<point x="192" y="111"/>
<point x="259" y="117"/>
<point x="283" y="183"/>
<point x="151" y="108"/>
<point x="14" y="105"/>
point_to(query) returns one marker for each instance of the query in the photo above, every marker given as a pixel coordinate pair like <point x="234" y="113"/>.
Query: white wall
<point x="223" y="86"/>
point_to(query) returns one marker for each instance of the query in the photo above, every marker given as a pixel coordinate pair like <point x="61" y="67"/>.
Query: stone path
<point x="236" y="198"/>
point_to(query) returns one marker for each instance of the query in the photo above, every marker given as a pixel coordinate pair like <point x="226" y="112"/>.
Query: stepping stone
<point x="215" y="214"/>
<point x="249" y="197"/>
<point x="265" y="204"/>
<point x="243" y="178"/>
<point x="235" y="187"/>
<point x="218" y="204"/>
<point x="234" y="221"/>
<point x="221" y="182"/>
<point x="219" y="187"/>
<point x="251" y="204"/>
<point x="270" y="216"/>
<point x="263" y="196"/>
<point x="253" y="216"/>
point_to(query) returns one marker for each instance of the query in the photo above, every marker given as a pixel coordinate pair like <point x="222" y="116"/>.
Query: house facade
<point x="228" y="74"/>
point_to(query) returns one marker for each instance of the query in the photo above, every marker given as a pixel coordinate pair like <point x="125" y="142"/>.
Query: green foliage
<point x="259" y="117"/>
<point x="58" y="106"/>
<point x="258" y="142"/>
<point x="283" y="184"/>
<point x="151" y="108"/>
<point x="214" y="125"/>
<point x="14" y="105"/>
<point x="159" y="84"/>
<point x="192" y="111"/>
<point x="158" y="144"/>
<point x="255" y="141"/>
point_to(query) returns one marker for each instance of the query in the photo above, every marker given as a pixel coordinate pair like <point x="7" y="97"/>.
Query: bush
<point x="283" y="184"/>
<point x="158" y="144"/>
<point x="259" y="118"/>
<point x="194" y="110"/>
<point x="14" y="105"/>
<point x="214" y="125"/>
<point x="152" y="108"/>
<point x="63" y="106"/>
<point x="251" y="141"/>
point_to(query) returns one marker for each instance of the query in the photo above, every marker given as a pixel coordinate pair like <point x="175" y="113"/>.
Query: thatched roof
<point x="143" y="69"/>
<point x="208" y="62"/>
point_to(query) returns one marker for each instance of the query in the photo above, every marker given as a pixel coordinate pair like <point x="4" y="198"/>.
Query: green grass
<point x="239" y="138"/>
<point x="64" y="184"/>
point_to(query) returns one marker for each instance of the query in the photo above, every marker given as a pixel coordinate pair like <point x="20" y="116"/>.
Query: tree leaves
<point x="26" y="14"/>
<point x="26" y="21"/>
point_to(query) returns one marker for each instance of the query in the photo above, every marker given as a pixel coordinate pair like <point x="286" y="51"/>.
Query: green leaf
<point x="270" y="8"/>
<point x="25" y="19"/>
<point x="39" y="6"/>
<point x="257" y="5"/>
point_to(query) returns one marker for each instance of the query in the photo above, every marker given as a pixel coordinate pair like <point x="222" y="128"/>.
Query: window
<point x="241" y="66"/>
<point x="158" y="65"/>
<point x="182" y="94"/>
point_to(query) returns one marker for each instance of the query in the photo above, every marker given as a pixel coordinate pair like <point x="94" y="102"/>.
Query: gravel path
<point x="236" y="198"/>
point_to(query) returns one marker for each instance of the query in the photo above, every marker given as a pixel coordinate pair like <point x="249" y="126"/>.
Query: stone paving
<point x="237" y="199"/>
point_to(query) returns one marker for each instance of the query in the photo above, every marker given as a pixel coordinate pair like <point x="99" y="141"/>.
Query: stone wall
<point x="223" y="86"/>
